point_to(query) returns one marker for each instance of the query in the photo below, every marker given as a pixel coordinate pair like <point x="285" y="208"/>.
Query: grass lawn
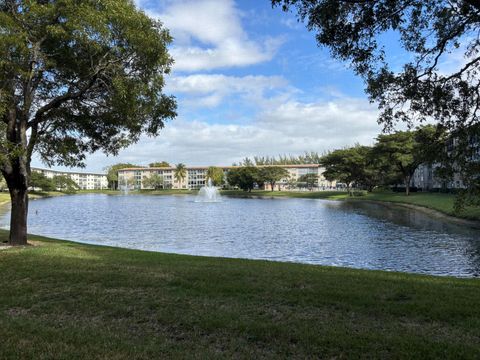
<point x="70" y="301"/>
<point x="4" y="198"/>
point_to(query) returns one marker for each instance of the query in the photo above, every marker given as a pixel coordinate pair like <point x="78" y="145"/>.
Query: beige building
<point x="133" y="178"/>
<point x="85" y="181"/>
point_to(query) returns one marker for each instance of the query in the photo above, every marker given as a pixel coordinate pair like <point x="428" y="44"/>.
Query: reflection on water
<point x="352" y="234"/>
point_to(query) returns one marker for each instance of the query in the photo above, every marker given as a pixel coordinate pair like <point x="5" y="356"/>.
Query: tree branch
<point x="60" y="100"/>
<point x="474" y="3"/>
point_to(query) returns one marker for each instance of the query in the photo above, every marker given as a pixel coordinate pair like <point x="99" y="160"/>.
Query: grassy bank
<point x="436" y="201"/>
<point x="67" y="300"/>
<point x="330" y="195"/>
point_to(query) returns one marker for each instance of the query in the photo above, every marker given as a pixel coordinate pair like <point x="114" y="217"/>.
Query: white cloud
<point x="292" y="23"/>
<point x="263" y="115"/>
<point x="209" y="90"/>
<point x="208" y="34"/>
<point x="289" y="128"/>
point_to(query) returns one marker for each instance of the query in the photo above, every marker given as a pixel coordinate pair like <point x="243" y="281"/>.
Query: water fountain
<point x="124" y="187"/>
<point x="209" y="193"/>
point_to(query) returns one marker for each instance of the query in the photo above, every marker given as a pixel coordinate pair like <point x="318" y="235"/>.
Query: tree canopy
<point x="392" y="159"/>
<point x="271" y="175"/>
<point x="244" y="177"/>
<point x="38" y="180"/>
<point x="159" y="164"/>
<point x="180" y="172"/>
<point x="76" y="77"/>
<point x="346" y="165"/>
<point x="216" y="175"/>
<point x="406" y="150"/>
<point x="65" y="183"/>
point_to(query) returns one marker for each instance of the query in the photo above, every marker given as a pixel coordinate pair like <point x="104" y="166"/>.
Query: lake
<point x="352" y="234"/>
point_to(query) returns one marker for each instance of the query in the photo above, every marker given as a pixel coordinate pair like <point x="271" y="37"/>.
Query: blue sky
<point x="250" y="80"/>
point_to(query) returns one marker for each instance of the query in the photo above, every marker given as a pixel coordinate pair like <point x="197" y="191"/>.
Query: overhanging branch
<point x="474" y="3"/>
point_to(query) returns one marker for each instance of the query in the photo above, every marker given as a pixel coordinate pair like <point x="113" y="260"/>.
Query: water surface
<point x="352" y="234"/>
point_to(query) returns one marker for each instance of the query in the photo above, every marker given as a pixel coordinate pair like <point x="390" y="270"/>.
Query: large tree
<point x="38" y="180"/>
<point x="244" y="177"/>
<point x="65" y="183"/>
<point x="406" y="150"/>
<point x="180" y="173"/>
<point x="272" y="174"/>
<point x="75" y="77"/>
<point x="348" y="166"/>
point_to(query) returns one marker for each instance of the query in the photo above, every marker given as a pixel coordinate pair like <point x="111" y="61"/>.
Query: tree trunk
<point x="407" y="185"/>
<point x="272" y="185"/>
<point x="18" y="218"/>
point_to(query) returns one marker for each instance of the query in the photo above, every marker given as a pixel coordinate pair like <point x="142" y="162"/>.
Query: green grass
<point x="330" y="195"/>
<point x="436" y="201"/>
<point x="65" y="300"/>
<point x="4" y="198"/>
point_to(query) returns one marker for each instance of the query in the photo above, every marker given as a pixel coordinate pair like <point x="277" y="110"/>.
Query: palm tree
<point x="180" y="173"/>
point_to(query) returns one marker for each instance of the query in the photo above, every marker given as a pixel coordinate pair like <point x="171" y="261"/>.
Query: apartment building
<point x="196" y="177"/>
<point x="426" y="179"/>
<point x="85" y="181"/>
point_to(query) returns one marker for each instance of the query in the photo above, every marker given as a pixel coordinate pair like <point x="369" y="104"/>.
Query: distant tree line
<point x="390" y="161"/>
<point x="249" y="176"/>
<point x="311" y="157"/>
<point x="417" y="87"/>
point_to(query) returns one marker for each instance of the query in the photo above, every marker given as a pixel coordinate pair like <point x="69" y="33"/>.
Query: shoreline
<point x="328" y="195"/>
<point x="439" y="215"/>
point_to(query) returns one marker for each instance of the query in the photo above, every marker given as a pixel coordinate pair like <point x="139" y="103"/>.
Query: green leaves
<point x="153" y="181"/>
<point x="244" y="177"/>
<point x="434" y="76"/>
<point x="180" y="172"/>
<point x="216" y="175"/>
<point x="94" y="71"/>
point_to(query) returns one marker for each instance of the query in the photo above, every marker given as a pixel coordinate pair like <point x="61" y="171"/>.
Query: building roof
<point x="298" y="166"/>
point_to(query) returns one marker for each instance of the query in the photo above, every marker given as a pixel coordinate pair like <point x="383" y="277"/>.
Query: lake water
<point x="351" y="234"/>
